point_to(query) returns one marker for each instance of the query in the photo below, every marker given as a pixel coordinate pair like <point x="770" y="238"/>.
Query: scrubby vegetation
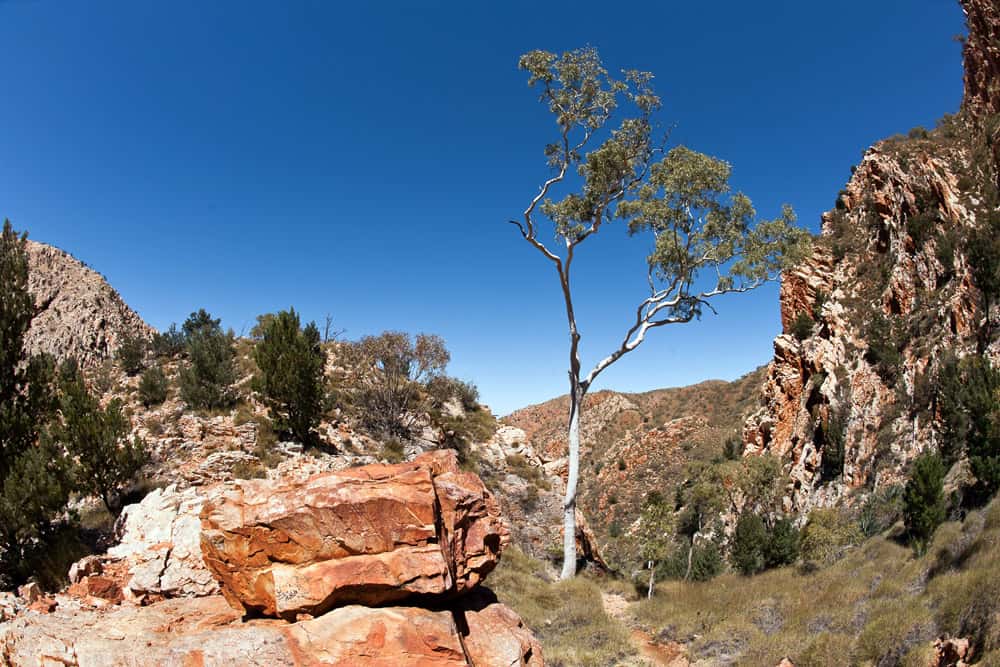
<point x="567" y="616"/>
<point x="878" y="604"/>
<point x="206" y="379"/>
<point x="55" y="439"/>
<point x="153" y="386"/>
<point x="290" y="377"/>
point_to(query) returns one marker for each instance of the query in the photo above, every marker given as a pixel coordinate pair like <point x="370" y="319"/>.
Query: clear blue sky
<point x="361" y="159"/>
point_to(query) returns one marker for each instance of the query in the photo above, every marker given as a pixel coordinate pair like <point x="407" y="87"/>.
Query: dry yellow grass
<point x="567" y="616"/>
<point x="878" y="605"/>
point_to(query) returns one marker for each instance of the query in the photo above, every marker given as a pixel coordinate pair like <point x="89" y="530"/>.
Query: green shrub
<point x="130" y="354"/>
<point x="443" y="388"/>
<point x="924" y="506"/>
<point x="969" y="411"/>
<point x="290" y="376"/>
<point x="169" y="343"/>
<point x="34" y="472"/>
<point x="206" y="381"/>
<point x="881" y="510"/>
<point x="96" y="437"/>
<point x="392" y="370"/>
<point x="982" y="249"/>
<point x="782" y="546"/>
<point x="834" y="440"/>
<point x="153" y="386"/>
<point x="827" y="535"/>
<point x="883" y="350"/>
<point x="803" y="325"/>
<point x="749" y="544"/>
<point x="922" y="226"/>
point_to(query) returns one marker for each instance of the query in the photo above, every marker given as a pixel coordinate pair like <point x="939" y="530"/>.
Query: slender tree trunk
<point x="569" y="504"/>
<point x="687" y="574"/>
<point x="652" y="573"/>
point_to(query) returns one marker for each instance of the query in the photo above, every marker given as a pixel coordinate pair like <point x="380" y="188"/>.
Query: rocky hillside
<point x="634" y="443"/>
<point x="890" y="290"/>
<point x="79" y="314"/>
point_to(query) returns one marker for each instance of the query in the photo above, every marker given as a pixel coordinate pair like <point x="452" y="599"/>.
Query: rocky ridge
<point x="890" y="253"/>
<point x="79" y="314"/>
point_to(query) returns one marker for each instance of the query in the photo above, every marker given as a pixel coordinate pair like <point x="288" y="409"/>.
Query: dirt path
<point x="655" y="654"/>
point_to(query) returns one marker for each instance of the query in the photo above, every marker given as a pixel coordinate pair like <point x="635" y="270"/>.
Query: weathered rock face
<point x="982" y="57"/>
<point x="207" y="631"/>
<point x="80" y="314"/>
<point x="161" y="545"/>
<point x="893" y="252"/>
<point x="372" y="535"/>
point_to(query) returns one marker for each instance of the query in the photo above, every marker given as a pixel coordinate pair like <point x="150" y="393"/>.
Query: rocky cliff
<point x="888" y="292"/>
<point x="79" y="314"/>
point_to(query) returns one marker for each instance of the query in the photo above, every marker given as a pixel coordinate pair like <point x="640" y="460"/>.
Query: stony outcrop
<point x="367" y="535"/>
<point x="160" y="545"/>
<point x="302" y="549"/>
<point x="79" y="314"/>
<point x="891" y="252"/>
<point x="982" y="57"/>
<point x="208" y="632"/>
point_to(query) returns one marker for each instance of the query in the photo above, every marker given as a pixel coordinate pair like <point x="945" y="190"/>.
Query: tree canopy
<point x="608" y="155"/>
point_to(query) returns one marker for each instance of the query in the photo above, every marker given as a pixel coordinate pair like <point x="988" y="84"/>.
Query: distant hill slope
<point x="636" y="443"/>
<point x="79" y="313"/>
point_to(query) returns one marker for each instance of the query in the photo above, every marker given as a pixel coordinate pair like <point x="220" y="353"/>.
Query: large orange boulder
<point x="207" y="632"/>
<point x="368" y="535"/>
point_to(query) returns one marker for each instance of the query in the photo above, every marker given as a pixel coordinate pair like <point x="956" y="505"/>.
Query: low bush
<point x="924" y="506"/>
<point x="153" y="386"/>
<point x="827" y="535"/>
<point x="130" y="354"/>
<point x="803" y="325"/>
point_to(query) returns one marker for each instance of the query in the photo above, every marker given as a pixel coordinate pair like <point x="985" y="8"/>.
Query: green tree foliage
<point x="803" y="325"/>
<point x="924" y="507"/>
<point x="833" y="434"/>
<point x="131" y="353"/>
<point x="655" y="535"/>
<point x="443" y="388"/>
<point x="826" y="536"/>
<point x="782" y="547"/>
<point x="290" y="377"/>
<point x="705" y="240"/>
<point x="393" y="370"/>
<point x="207" y="378"/>
<point x="747" y="550"/>
<point x="34" y="482"/>
<point x="883" y="349"/>
<point x="97" y="439"/>
<point x="153" y="386"/>
<point x="969" y="407"/>
<point x="757" y="546"/>
<point x="983" y="253"/>
<point x="168" y="343"/>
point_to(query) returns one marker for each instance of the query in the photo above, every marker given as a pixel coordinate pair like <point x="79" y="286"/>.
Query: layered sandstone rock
<point x="208" y="632"/>
<point x="79" y="314"/>
<point x="369" y="535"/>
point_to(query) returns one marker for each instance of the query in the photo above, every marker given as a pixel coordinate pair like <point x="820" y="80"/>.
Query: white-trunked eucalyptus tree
<point x="705" y="239"/>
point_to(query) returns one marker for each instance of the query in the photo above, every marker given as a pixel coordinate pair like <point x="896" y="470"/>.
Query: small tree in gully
<point x="704" y="239"/>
